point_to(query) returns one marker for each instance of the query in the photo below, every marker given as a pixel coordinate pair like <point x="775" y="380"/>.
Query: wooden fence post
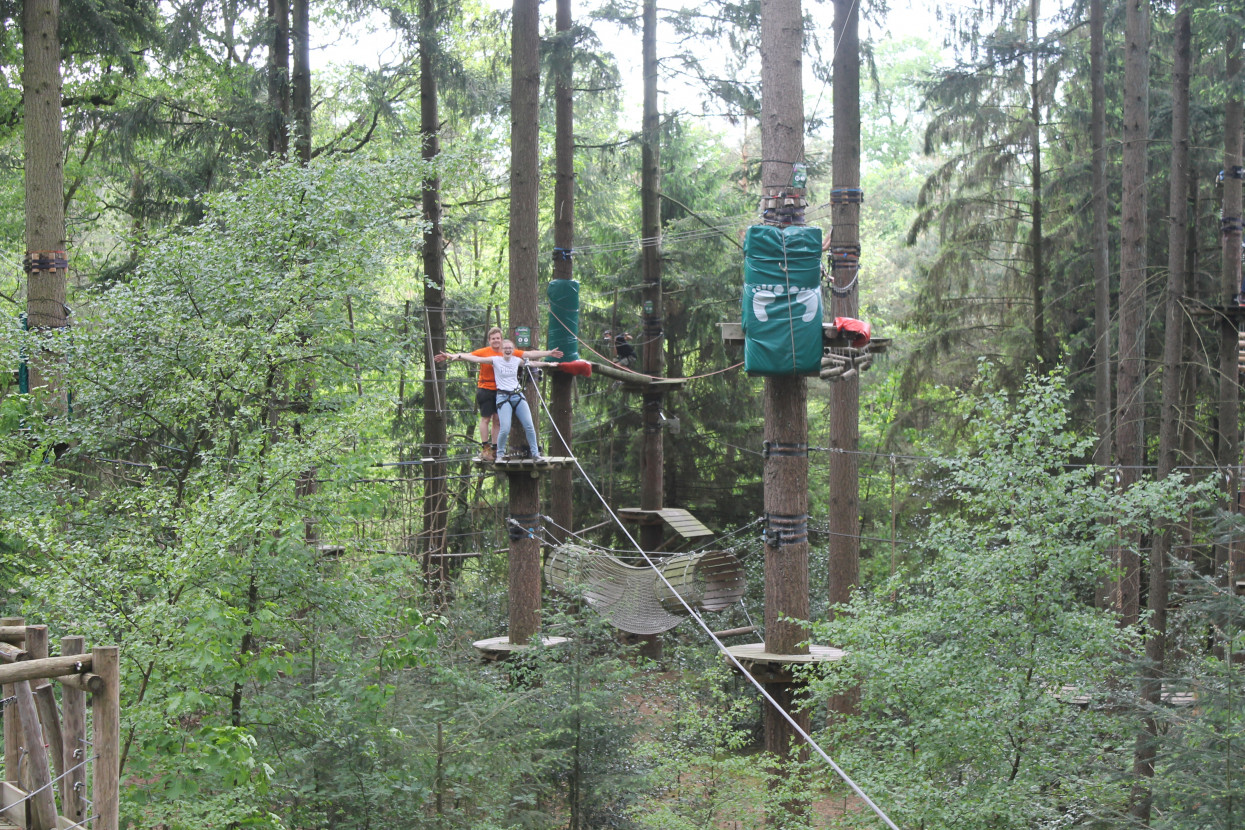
<point x="12" y="722"/>
<point x="106" y="717"/>
<point x="74" y="748"/>
<point x="45" y="701"/>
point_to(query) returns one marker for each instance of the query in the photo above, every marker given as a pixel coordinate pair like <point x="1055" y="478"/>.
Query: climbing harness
<point x="510" y="397"/>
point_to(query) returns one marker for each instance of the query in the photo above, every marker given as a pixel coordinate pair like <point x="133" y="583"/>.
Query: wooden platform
<point x="680" y="520"/>
<point x="499" y="648"/>
<point x="768" y="667"/>
<point x="733" y="335"/>
<point x="527" y="465"/>
<point x="1074" y="697"/>
<point x="1234" y="313"/>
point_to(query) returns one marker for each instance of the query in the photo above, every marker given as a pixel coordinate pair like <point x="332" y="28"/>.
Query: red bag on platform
<point x="852" y="326"/>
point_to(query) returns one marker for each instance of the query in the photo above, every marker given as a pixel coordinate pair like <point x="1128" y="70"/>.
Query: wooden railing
<point x="46" y="749"/>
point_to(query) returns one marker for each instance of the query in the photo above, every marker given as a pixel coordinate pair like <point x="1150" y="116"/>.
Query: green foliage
<point x="696" y="743"/>
<point x="205" y="388"/>
<point x="964" y="664"/>
<point x="1197" y="781"/>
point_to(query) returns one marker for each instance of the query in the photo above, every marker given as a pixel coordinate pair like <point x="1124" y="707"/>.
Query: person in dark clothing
<point x="624" y="352"/>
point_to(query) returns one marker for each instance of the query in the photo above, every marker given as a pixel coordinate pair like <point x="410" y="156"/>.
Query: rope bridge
<point x="634" y="598"/>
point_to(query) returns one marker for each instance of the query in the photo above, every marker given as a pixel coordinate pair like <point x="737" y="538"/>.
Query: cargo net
<point x="634" y="598"/>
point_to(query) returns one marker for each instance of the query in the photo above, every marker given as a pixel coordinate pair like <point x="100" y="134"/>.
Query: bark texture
<point x="524" y="266"/>
<point x="1173" y="347"/>
<point x="436" y="507"/>
<point x="562" y="384"/>
<point x="279" y="78"/>
<point x="786" y="406"/>
<point x="1100" y="254"/>
<point x="652" y="462"/>
<point x="844" y="513"/>
<point x="300" y="78"/>
<point x="1130" y="383"/>
<point x="1229" y="557"/>
<point x="46" y="258"/>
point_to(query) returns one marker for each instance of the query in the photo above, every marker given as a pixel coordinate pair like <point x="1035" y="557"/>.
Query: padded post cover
<point x="782" y="307"/>
<point x="564" y="318"/>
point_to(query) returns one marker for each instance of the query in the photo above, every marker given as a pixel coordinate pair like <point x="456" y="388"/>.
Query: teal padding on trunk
<point x="782" y="308"/>
<point x="564" y="318"/>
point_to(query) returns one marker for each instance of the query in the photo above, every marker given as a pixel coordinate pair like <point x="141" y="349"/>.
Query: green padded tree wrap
<point x="782" y="308"/>
<point x="564" y="318"/>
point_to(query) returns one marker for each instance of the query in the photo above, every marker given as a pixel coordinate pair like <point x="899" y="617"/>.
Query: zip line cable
<point x="847" y="779"/>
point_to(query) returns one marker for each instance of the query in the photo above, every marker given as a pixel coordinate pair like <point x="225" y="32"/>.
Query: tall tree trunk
<point x="46" y="261"/>
<point x="1037" y="251"/>
<point x="300" y="99"/>
<point x="524" y="265"/>
<point x="844" y="507"/>
<point x="300" y="79"/>
<point x="1173" y="348"/>
<point x="1130" y="429"/>
<point x="1228" y="557"/>
<point x="561" y="503"/>
<point x="279" y="78"/>
<point x="1101" y="251"/>
<point x="652" y="462"/>
<point x="786" y="405"/>
<point x="436" y="505"/>
<point x="1190" y="430"/>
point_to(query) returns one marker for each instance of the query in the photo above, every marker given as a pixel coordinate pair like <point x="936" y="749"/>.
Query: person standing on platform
<point x="624" y="352"/>
<point x="486" y="389"/>
<point x="508" y="394"/>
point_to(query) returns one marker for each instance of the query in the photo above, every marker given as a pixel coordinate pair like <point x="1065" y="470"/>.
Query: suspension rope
<point x="605" y="359"/>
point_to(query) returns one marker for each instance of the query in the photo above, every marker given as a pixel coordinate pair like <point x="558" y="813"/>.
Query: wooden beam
<point x="85" y="682"/>
<point x="42" y="799"/>
<point x="47" y="667"/>
<point x="10" y="653"/>
<point x="50" y="720"/>
<point x="731" y="632"/>
<point x="13" y="633"/>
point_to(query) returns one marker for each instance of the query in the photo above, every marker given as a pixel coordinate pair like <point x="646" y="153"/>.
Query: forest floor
<point x="655" y="710"/>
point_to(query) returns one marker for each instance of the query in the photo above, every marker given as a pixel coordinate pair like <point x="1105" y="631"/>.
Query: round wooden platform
<point x="499" y="648"/>
<point x="768" y="667"/>
<point x="527" y="465"/>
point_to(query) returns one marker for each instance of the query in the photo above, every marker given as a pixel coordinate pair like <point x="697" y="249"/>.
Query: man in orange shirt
<point x="486" y="390"/>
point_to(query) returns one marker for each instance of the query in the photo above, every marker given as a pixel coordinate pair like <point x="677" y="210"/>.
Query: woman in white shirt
<point x="510" y="400"/>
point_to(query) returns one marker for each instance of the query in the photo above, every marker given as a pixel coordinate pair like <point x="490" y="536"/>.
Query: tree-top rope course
<point x="678" y="597"/>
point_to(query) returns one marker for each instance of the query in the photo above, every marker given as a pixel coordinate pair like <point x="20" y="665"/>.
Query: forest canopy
<point x="238" y="459"/>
